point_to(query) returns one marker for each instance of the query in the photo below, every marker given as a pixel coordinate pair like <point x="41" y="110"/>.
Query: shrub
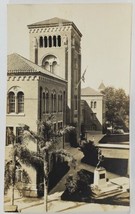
<point x="90" y="152"/>
<point x="78" y="187"/>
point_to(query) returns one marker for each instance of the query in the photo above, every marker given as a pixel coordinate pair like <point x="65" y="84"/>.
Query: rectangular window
<point x="18" y="134"/>
<point x="9" y="135"/>
<point x="75" y="100"/>
<point x="54" y="127"/>
<point x="60" y="125"/>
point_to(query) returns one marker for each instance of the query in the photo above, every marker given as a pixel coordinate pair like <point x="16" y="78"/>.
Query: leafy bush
<point x="90" y="152"/>
<point x="78" y="187"/>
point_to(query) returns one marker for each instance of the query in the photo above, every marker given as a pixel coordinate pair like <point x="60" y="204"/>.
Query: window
<point x="53" y="102"/>
<point x="95" y="104"/>
<point x="9" y="135"/>
<point x="75" y="100"/>
<point x="20" y="98"/>
<point x="45" y="41"/>
<point x="15" y="100"/>
<point x="60" y="125"/>
<point x="54" y="127"/>
<point x="54" y="41"/>
<point x="40" y="41"/>
<point x="11" y="102"/>
<point x="47" y="102"/>
<point x="91" y="104"/>
<point x="59" y="40"/>
<point x="44" y="102"/>
<point x="50" y="41"/>
<point x="18" y="134"/>
<point x="60" y="102"/>
<point x="54" y="96"/>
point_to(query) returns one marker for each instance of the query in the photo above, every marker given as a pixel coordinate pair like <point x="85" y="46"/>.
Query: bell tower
<point x="55" y="44"/>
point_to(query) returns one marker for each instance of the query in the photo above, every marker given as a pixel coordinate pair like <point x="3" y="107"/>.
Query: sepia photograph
<point x="67" y="107"/>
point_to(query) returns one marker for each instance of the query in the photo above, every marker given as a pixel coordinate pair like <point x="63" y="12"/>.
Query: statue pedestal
<point x="101" y="188"/>
<point x="100" y="177"/>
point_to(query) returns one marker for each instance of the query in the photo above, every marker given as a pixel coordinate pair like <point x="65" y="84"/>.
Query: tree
<point x="47" y="141"/>
<point x="117" y="106"/>
<point x="78" y="186"/>
<point x="11" y="167"/>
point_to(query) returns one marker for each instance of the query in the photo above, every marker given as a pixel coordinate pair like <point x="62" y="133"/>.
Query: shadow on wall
<point x="89" y="120"/>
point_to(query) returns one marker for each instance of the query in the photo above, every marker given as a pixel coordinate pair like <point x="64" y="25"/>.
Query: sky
<point x="105" y="44"/>
<point x="106" y="47"/>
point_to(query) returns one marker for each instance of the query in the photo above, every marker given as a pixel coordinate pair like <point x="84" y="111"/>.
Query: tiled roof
<point x="90" y="92"/>
<point x="18" y="64"/>
<point x="54" y="20"/>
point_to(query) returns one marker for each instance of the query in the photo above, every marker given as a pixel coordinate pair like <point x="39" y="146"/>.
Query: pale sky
<point x="106" y="41"/>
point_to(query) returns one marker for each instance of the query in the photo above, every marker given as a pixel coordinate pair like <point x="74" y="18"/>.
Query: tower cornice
<point x="43" y="27"/>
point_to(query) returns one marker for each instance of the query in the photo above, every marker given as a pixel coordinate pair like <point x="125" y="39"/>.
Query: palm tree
<point x="47" y="141"/>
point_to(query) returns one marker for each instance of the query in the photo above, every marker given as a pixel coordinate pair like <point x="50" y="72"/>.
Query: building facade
<point x="55" y="44"/>
<point x="45" y="84"/>
<point x="93" y="109"/>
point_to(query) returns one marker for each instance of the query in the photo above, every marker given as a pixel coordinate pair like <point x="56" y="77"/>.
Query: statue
<point x="100" y="159"/>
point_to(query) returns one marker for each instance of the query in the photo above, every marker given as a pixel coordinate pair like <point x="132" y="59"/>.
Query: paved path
<point x="78" y="155"/>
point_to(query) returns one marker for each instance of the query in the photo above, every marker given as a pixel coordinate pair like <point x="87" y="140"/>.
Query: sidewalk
<point x="55" y="204"/>
<point x="78" y="155"/>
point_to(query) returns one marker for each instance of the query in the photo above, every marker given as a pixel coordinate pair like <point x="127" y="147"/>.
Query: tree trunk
<point x="46" y="171"/>
<point x="12" y="195"/>
<point x="45" y="195"/>
<point x="13" y="176"/>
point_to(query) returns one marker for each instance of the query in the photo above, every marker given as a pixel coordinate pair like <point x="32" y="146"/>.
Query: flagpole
<point x="81" y="78"/>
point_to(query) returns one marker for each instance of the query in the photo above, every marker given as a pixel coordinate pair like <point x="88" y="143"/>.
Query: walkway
<point x="78" y="155"/>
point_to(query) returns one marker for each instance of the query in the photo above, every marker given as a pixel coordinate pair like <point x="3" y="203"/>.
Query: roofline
<point x="31" y="26"/>
<point x="92" y="95"/>
<point x="33" y="72"/>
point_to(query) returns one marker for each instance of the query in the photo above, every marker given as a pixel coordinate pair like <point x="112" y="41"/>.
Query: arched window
<point x="44" y="102"/>
<point x="54" y="41"/>
<point x="50" y="41"/>
<point x="47" y="102"/>
<point x="40" y="103"/>
<point x="75" y="100"/>
<point x="52" y="103"/>
<point x="40" y="41"/>
<point x="45" y="41"/>
<point x="59" y="40"/>
<point x="15" y="100"/>
<point x="55" y="106"/>
<point x="54" y="66"/>
<point x="60" y="102"/>
<point x="91" y="104"/>
<point x="95" y="104"/>
<point x="20" y="99"/>
<point x="11" y="102"/>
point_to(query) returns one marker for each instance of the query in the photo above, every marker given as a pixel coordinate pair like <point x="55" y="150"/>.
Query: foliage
<point x="90" y="152"/>
<point x="46" y="140"/>
<point x="10" y="176"/>
<point x="78" y="186"/>
<point x="117" y="106"/>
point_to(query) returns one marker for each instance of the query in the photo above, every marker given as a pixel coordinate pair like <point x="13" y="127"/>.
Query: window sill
<point x="14" y="114"/>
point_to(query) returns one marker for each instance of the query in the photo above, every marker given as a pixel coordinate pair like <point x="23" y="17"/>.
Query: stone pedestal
<point x="100" y="177"/>
<point x="101" y="188"/>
